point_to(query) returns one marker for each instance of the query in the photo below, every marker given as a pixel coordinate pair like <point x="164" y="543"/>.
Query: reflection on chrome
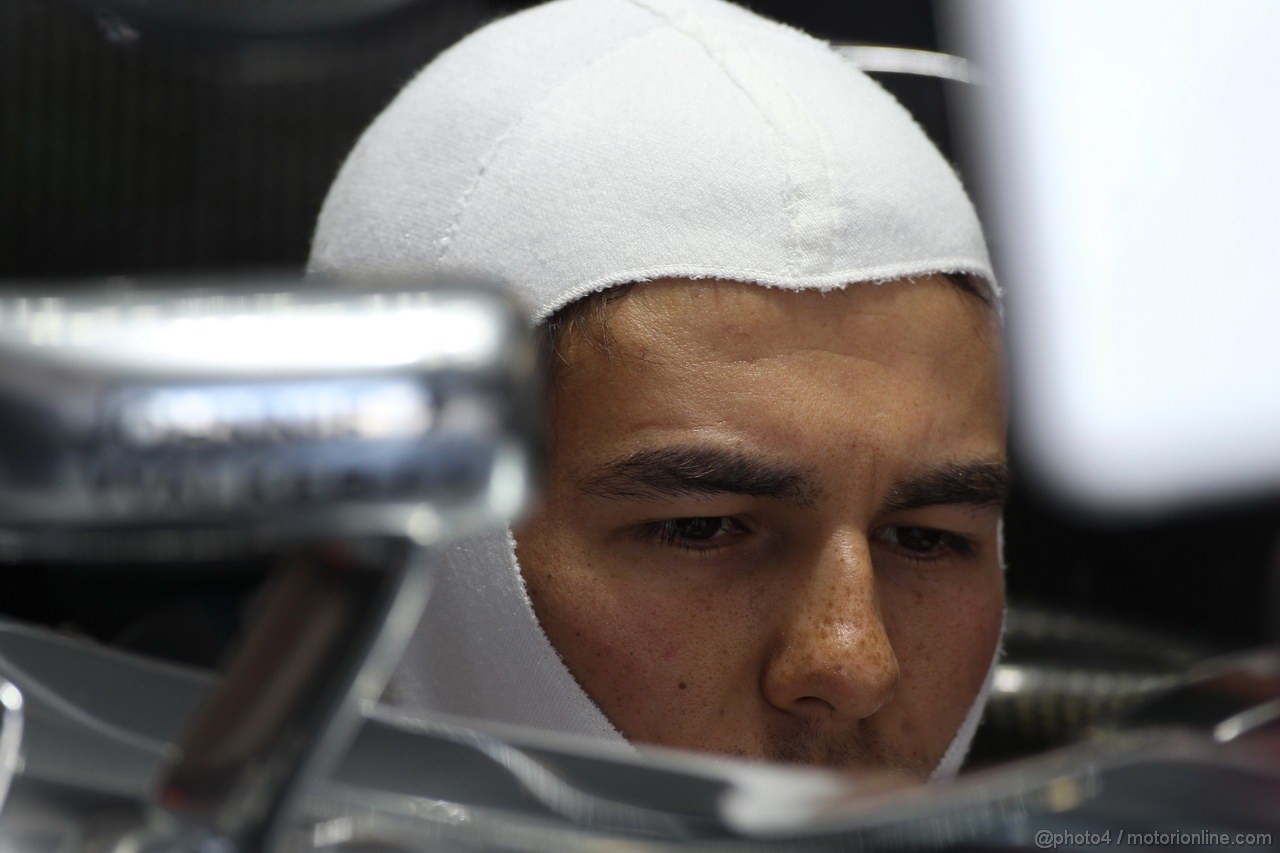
<point x="342" y="431"/>
<point x="878" y="59"/>
<point x="284" y="331"/>
<point x="10" y="737"/>
<point x="1248" y="720"/>
<point x="215" y="421"/>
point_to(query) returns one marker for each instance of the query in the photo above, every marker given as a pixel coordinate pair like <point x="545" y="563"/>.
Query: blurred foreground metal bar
<point x="289" y="702"/>
<point x="349" y="429"/>
<point x="408" y="783"/>
<point x="160" y="424"/>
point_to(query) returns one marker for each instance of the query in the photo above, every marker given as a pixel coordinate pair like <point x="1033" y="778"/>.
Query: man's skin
<point x="769" y="524"/>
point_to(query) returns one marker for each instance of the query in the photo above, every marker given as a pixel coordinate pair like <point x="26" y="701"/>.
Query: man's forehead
<point x="730" y="319"/>
<point x="906" y="372"/>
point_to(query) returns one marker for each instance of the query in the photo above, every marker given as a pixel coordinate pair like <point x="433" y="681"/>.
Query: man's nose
<point x="833" y="657"/>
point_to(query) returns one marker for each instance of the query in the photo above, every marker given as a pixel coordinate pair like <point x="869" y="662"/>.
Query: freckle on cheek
<point x="683" y="686"/>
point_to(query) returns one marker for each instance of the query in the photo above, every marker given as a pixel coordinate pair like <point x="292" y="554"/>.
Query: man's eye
<point x="701" y="532"/>
<point x="925" y="543"/>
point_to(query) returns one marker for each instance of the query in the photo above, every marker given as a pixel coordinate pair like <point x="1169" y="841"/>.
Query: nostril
<point x="815" y="704"/>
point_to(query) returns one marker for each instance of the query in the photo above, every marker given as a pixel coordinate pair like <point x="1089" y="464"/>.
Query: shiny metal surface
<point x="884" y="59"/>
<point x="344" y="429"/>
<point x="277" y="411"/>
<point x="288" y="703"/>
<point x="11" y="725"/>
<point x="413" y="784"/>
<point x="1065" y="673"/>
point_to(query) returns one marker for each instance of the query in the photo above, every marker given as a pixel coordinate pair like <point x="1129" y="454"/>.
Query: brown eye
<point x="701" y="532"/>
<point x="920" y="538"/>
<point x="696" y="529"/>
<point x="925" y="542"/>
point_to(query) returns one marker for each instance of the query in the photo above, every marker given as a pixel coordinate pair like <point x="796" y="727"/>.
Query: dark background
<point x="156" y="145"/>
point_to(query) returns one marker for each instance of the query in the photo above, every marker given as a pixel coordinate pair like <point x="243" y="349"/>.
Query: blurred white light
<point x="1008" y="679"/>
<point x="335" y="409"/>
<point x="1132" y="147"/>
<point x="379" y="334"/>
<point x="880" y="59"/>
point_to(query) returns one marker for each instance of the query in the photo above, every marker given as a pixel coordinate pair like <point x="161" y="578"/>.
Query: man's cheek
<point x="623" y="637"/>
<point x="945" y="645"/>
<point x="643" y="656"/>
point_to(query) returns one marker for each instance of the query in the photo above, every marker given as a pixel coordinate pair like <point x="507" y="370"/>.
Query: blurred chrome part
<point x="286" y="707"/>
<point x="351" y="429"/>
<point x="303" y="332"/>
<point x="238" y="419"/>
<point x="1093" y="687"/>
<point x="1223" y="698"/>
<point x="407" y="784"/>
<point x="1248" y="720"/>
<point x="1063" y="673"/>
<point x="10" y="737"/>
<point x="880" y="59"/>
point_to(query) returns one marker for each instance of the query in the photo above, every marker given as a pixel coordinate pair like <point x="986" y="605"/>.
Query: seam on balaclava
<point x="464" y="198"/>
<point x="719" y="46"/>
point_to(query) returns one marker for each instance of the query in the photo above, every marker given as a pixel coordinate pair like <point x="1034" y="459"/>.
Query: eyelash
<point x="667" y="533"/>
<point x="949" y="545"/>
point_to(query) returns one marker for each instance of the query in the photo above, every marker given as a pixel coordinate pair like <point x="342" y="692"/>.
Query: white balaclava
<point x="583" y="144"/>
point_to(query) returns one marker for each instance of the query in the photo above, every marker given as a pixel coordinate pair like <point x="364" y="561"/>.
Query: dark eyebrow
<point x="974" y="286"/>
<point x="984" y="483"/>
<point x="695" y="470"/>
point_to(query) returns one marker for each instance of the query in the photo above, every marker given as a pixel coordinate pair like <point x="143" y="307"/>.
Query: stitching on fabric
<point x="835" y="210"/>
<point x="790" y="191"/>
<point x="464" y="199"/>
<point x="814" y="129"/>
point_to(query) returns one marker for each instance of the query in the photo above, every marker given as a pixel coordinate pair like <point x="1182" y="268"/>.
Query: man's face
<point x="769" y="524"/>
